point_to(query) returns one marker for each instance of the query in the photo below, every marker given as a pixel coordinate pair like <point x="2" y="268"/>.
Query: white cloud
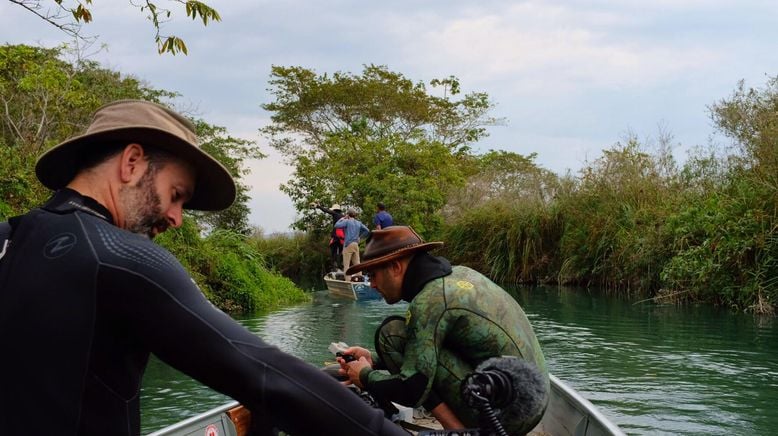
<point x="535" y="46"/>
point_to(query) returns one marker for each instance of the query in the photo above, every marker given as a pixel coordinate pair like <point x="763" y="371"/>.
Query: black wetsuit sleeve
<point x="407" y="392"/>
<point x="170" y="317"/>
<point x="326" y="210"/>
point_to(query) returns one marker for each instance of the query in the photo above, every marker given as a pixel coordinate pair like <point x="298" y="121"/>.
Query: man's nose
<point x="176" y="215"/>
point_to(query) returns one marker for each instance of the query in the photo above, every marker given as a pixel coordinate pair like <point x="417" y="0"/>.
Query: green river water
<point x="652" y="369"/>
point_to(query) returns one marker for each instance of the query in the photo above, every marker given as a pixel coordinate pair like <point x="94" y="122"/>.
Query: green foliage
<point x="48" y="98"/>
<point x="232" y="153"/>
<point x="508" y="241"/>
<point x="303" y="257"/>
<point x="412" y="179"/>
<point x="613" y="235"/>
<point x="725" y="246"/>
<point x="19" y="189"/>
<point x="635" y="223"/>
<point x="379" y="102"/>
<point x="750" y="117"/>
<point x="230" y="271"/>
<point x="374" y="137"/>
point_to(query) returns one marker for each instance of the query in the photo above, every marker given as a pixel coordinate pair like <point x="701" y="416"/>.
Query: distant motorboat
<point x="339" y="287"/>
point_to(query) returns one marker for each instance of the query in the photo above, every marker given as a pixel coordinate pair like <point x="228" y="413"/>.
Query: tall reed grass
<point x="635" y="225"/>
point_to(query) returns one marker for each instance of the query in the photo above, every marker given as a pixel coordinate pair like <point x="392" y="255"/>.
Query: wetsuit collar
<point x="422" y="269"/>
<point x="67" y="200"/>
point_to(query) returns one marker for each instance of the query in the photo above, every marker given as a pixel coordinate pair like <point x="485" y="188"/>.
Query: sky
<point x="570" y="78"/>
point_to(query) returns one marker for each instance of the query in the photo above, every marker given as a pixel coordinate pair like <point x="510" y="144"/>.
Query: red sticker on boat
<point x="211" y="431"/>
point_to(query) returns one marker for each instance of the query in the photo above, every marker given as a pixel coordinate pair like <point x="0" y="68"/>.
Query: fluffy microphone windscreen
<point x="530" y="388"/>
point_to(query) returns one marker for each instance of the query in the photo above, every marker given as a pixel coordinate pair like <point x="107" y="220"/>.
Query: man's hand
<point x="358" y="352"/>
<point x="361" y="359"/>
<point x="352" y="370"/>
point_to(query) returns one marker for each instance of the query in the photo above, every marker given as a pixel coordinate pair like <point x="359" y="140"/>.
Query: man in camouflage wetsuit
<point x="457" y="318"/>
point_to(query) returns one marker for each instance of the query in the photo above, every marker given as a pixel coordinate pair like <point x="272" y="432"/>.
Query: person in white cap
<point x="337" y="236"/>
<point x="86" y="296"/>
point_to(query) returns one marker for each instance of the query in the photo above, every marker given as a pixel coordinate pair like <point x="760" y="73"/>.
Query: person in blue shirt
<point x="354" y="230"/>
<point x="382" y="218"/>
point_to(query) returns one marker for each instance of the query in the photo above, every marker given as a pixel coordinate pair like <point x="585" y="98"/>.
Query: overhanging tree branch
<point x="69" y="18"/>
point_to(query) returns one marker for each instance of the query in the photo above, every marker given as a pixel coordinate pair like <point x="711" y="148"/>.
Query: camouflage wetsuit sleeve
<point x="453" y="324"/>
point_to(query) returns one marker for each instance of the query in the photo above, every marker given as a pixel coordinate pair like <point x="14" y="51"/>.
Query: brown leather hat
<point x="389" y="244"/>
<point x="145" y="123"/>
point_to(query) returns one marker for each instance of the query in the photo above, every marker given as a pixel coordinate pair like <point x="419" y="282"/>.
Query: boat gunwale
<point x="181" y="425"/>
<point x="571" y="396"/>
<point x="591" y="411"/>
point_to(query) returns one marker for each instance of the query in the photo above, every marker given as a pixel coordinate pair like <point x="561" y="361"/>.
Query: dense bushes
<point x="303" y="257"/>
<point x="507" y="242"/>
<point x="724" y="247"/>
<point x="658" y="235"/>
<point x="229" y="270"/>
<point x="635" y="224"/>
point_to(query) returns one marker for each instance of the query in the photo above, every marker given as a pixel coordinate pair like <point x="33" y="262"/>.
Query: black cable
<point x="488" y="415"/>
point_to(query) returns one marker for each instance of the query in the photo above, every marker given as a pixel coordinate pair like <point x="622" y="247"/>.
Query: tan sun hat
<point x="145" y="123"/>
<point x="335" y="206"/>
<point x="389" y="244"/>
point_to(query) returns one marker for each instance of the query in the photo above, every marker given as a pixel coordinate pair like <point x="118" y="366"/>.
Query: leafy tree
<point x="378" y="136"/>
<point x="232" y="153"/>
<point x="505" y="177"/>
<point x="68" y="16"/>
<point x="750" y="117"/>
<point x="412" y="177"/>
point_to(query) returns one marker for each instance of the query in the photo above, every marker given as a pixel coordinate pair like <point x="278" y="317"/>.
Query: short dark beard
<point x="143" y="206"/>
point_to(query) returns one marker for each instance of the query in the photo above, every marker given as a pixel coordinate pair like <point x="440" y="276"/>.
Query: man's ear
<point x="132" y="163"/>
<point x="398" y="266"/>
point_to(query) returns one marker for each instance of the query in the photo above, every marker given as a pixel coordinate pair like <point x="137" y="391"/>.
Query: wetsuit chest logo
<point x="59" y="245"/>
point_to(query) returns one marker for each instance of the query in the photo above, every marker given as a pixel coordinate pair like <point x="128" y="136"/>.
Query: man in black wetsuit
<point x="85" y="295"/>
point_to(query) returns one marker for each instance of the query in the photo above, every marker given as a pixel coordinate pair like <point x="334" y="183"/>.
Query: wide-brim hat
<point x="149" y="124"/>
<point x="335" y="206"/>
<point x="389" y="244"/>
